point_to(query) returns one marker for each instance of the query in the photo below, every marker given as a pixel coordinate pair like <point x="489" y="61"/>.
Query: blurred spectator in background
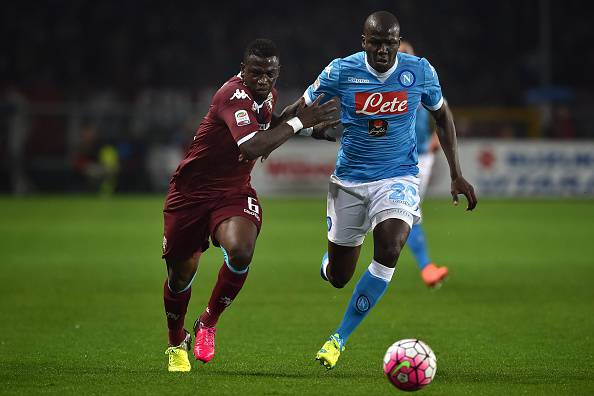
<point x="95" y="163"/>
<point x="563" y="124"/>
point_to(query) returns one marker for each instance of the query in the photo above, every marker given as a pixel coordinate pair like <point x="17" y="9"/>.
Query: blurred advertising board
<point x="497" y="168"/>
<point x="522" y="168"/>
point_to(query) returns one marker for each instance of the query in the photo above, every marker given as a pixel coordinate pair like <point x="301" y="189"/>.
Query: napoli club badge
<point x="407" y="78"/>
<point x="378" y="128"/>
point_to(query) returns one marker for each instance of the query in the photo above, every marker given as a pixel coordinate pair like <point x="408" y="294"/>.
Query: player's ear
<point x="363" y="41"/>
<point x="241" y="68"/>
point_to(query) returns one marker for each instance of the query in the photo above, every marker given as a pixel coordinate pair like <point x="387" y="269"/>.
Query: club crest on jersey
<point x="407" y="78"/>
<point x="381" y="103"/>
<point x="239" y="94"/>
<point x="242" y="118"/>
<point x="378" y="128"/>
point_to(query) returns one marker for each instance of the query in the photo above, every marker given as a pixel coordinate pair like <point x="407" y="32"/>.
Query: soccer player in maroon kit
<point x="210" y="193"/>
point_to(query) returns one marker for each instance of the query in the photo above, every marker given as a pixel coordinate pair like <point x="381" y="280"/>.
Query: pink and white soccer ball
<point x="410" y="364"/>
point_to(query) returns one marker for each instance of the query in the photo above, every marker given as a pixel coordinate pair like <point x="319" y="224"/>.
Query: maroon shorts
<point x="188" y="222"/>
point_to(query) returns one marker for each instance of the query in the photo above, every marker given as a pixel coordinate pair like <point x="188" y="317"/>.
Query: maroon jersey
<point x="211" y="168"/>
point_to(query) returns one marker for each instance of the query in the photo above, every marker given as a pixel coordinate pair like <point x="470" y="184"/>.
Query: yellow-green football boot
<point x="178" y="356"/>
<point x="330" y="352"/>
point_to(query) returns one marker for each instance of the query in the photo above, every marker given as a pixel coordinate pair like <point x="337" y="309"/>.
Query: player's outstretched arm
<point x="265" y="142"/>
<point x="446" y="133"/>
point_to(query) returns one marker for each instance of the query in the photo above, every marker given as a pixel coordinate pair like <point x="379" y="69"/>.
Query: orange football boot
<point x="433" y="275"/>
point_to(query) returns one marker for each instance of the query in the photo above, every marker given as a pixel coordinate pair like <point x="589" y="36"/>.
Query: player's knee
<point x="180" y="281"/>
<point x="240" y="257"/>
<point x="337" y="280"/>
<point x="181" y="273"/>
<point x="388" y="254"/>
<point x="338" y="283"/>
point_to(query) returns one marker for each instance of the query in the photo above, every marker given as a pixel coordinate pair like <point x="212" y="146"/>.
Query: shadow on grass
<point x="523" y="376"/>
<point x="310" y="375"/>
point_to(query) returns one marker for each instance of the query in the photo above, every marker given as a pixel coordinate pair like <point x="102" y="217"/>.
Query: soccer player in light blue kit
<point x="375" y="184"/>
<point x="427" y="145"/>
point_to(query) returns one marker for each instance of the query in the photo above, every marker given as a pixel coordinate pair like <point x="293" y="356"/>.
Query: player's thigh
<point x="235" y="233"/>
<point x="346" y="212"/>
<point x="185" y="233"/>
<point x="389" y="236"/>
<point x="343" y="261"/>
<point x="235" y="225"/>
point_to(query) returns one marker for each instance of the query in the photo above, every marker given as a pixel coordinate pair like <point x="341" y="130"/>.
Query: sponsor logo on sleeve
<point x="240" y="94"/>
<point x="242" y="118"/>
<point x="381" y="103"/>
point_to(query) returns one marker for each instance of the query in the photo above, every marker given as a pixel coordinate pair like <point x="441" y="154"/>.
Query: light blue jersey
<point x="378" y="113"/>
<point x="423" y="130"/>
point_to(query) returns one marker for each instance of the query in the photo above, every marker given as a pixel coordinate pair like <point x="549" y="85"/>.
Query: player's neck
<point x="381" y="76"/>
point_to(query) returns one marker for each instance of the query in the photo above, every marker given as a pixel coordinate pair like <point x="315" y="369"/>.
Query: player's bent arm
<point x="264" y="142"/>
<point x="446" y="132"/>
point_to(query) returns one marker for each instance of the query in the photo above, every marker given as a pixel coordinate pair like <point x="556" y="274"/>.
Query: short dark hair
<point x="262" y="48"/>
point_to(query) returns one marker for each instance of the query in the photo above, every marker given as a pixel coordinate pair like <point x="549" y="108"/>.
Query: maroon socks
<point x="176" y="305"/>
<point x="228" y="285"/>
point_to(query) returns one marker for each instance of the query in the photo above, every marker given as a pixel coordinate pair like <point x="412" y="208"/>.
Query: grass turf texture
<point x="81" y="305"/>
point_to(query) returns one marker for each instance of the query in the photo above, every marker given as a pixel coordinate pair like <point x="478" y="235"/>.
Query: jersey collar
<point x="381" y="76"/>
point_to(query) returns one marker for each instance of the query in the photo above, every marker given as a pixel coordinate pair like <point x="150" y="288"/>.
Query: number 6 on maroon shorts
<point x="188" y="223"/>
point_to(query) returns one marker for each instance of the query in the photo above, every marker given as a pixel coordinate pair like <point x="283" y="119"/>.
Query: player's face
<point x="259" y="75"/>
<point x="381" y="48"/>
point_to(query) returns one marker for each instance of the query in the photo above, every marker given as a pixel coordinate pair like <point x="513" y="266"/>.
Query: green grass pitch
<point x="81" y="305"/>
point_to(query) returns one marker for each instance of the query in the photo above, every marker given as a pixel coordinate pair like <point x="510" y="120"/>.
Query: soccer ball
<point x="410" y="364"/>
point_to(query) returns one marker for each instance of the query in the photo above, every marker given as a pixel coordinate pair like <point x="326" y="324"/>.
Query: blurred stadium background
<point x="98" y="100"/>
<point x="96" y="91"/>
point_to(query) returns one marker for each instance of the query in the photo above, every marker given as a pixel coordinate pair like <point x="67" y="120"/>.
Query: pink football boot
<point x="204" y="346"/>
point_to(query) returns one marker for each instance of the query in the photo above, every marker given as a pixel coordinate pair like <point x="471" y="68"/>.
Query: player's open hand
<point x="291" y="110"/>
<point x="461" y="186"/>
<point x="321" y="130"/>
<point x="317" y="113"/>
